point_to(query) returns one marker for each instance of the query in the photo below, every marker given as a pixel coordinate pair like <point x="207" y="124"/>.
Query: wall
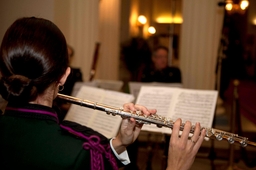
<point x="200" y="37"/>
<point x="11" y="10"/>
<point x="81" y="21"/>
<point x="109" y="33"/>
<point x="83" y="32"/>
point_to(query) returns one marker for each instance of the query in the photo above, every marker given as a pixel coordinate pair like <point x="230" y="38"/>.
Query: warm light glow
<point x="254" y="21"/>
<point x="229" y="6"/>
<point x="151" y="30"/>
<point x="167" y="20"/>
<point x="244" y="4"/>
<point x="142" y="19"/>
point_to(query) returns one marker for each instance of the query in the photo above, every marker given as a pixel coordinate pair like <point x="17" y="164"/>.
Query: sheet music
<point x="114" y="85"/>
<point x="195" y="106"/>
<point x="156" y="98"/>
<point x="103" y="84"/>
<point x="192" y="105"/>
<point x="107" y="125"/>
<point x="83" y="115"/>
<point x="134" y="87"/>
<point x="78" y="85"/>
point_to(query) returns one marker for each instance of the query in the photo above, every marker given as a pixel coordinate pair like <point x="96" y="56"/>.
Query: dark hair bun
<point x="33" y="55"/>
<point x="16" y="84"/>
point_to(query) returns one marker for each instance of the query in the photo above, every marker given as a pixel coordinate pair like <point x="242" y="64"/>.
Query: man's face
<point x="160" y="59"/>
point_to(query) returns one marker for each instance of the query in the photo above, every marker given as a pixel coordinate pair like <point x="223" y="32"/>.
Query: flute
<point x="158" y="120"/>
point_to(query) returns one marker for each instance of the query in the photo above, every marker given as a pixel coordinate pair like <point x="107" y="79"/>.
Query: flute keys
<point x="231" y="140"/>
<point x="219" y="137"/>
<point x="243" y="143"/>
<point x="210" y="132"/>
<point x="138" y="113"/>
<point x="141" y="122"/>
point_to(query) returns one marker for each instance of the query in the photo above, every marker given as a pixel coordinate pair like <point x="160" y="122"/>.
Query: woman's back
<point x="35" y="141"/>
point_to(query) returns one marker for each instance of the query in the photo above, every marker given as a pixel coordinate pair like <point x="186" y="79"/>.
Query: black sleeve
<point x="88" y="132"/>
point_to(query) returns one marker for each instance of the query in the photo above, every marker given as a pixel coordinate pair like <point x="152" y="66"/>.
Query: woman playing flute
<point x="33" y="67"/>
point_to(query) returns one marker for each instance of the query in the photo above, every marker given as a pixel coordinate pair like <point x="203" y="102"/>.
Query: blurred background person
<point x="158" y="70"/>
<point x="135" y="53"/>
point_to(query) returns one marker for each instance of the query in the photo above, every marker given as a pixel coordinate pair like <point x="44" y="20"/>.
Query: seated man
<point x="159" y="71"/>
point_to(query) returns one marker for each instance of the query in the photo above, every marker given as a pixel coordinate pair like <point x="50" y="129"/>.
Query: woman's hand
<point x="129" y="129"/>
<point x="182" y="150"/>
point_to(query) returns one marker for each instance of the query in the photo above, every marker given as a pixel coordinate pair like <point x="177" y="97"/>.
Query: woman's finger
<point x="176" y="130"/>
<point x="196" y="134"/>
<point x="185" y="134"/>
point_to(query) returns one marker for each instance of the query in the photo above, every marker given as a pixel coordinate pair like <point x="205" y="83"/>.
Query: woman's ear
<point x="65" y="76"/>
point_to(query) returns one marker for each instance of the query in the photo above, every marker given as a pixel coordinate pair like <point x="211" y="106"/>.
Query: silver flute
<point x="158" y="120"/>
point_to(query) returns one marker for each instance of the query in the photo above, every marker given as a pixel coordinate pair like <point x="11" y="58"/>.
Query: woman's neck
<point x="47" y="97"/>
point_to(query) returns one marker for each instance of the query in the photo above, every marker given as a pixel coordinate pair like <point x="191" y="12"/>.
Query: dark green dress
<point x="31" y="138"/>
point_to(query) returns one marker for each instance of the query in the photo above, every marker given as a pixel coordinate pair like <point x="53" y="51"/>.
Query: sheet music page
<point x="159" y="98"/>
<point x="78" y="85"/>
<point x="187" y="104"/>
<point x="134" y="87"/>
<point x="83" y="115"/>
<point x="195" y="106"/>
<point x="114" y="85"/>
<point x="167" y="84"/>
<point x="107" y="125"/>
